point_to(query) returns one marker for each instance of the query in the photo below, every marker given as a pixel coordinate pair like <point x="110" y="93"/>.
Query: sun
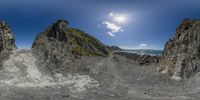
<point x="120" y="18"/>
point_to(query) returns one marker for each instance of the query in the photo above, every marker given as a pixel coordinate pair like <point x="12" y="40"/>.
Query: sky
<point x="129" y="24"/>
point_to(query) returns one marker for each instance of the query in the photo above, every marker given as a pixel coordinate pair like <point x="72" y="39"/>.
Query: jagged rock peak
<point x="60" y="44"/>
<point x="186" y="25"/>
<point x="7" y="38"/>
<point x="76" y="41"/>
<point x="59" y="25"/>
<point x="181" y="57"/>
<point x="57" y="29"/>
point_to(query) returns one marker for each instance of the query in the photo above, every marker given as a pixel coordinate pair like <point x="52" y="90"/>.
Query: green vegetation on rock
<point x="85" y="45"/>
<point x="7" y="38"/>
<point x="59" y="40"/>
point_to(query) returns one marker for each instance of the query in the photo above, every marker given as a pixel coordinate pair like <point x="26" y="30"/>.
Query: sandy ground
<point x="91" y="78"/>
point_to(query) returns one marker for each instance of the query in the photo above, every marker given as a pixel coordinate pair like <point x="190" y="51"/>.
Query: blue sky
<point x="149" y="23"/>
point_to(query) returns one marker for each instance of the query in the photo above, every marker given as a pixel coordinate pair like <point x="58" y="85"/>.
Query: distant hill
<point x="145" y="52"/>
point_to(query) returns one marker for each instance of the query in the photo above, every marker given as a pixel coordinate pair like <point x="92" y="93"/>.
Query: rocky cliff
<point x="59" y="44"/>
<point x="181" y="57"/>
<point x="7" y="40"/>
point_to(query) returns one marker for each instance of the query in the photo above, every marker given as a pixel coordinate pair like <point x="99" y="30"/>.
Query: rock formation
<point x="60" y="43"/>
<point x="7" y="40"/>
<point x="181" y="57"/>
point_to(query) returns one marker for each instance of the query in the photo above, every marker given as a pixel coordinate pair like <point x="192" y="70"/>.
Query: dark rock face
<point x="7" y="40"/>
<point x="181" y="57"/>
<point x="140" y="59"/>
<point x="59" y="44"/>
<point x="57" y="30"/>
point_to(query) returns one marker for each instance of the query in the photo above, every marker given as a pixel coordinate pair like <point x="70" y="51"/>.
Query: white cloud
<point x="111" y="14"/>
<point x="143" y="45"/>
<point x="112" y="25"/>
<point x="114" y="28"/>
<point x="110" y="34"/>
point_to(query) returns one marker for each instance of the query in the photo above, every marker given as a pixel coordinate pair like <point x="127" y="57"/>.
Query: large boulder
<point x="181" y="57"/>
<point x="59" y="44"/>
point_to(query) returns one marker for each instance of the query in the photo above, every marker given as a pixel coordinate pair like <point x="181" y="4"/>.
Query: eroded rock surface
<point x="181" y="57"/>
<point x="21" y="71"/>
<point x="7" y="41"/>
<point x="59" y="44"/>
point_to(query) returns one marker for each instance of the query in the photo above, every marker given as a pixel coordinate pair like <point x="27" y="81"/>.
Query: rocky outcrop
<point x="7" y="40"/>
<point x="140" y="59"/>
<point x="59" y="44"/>
<point x="181" y="57"/>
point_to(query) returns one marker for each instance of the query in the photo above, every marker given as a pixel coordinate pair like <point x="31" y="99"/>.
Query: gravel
<point x="91" y="78"/>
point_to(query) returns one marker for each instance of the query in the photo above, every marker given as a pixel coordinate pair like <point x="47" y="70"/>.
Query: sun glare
<point x="120" y="19"/>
